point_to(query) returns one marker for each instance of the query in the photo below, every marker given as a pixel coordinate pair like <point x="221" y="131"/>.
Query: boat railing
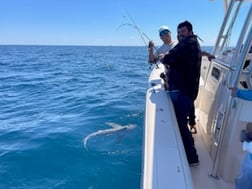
<point x="241" y="61"/>
<point x="223" y="27"/>
<point x="239" y="57"/>
<point x="222" y="43"/>
<point x="227" y="36"/>
<point x="242" y="48"/>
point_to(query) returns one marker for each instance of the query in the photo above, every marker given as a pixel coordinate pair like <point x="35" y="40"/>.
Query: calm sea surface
<point x="52" y="97"/>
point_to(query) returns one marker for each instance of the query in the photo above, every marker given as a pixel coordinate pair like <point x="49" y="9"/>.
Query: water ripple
<point x="51" y="97"/>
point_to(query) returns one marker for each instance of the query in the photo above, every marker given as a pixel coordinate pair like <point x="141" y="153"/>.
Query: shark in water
<point x="115" y="128"/>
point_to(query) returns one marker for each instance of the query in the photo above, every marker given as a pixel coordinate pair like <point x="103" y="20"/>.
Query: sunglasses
<point x="164" y="32"/>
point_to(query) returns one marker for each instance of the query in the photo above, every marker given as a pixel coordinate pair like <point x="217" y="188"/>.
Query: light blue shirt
<point x="164" y="48"/>
<point x="244" y="94"/>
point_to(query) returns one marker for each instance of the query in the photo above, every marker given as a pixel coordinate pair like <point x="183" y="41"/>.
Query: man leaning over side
<point x="184" y="62"/>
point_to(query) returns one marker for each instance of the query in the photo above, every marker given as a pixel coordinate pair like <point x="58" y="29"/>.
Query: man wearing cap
<point x="184" y="61"/>
<point x="168" y="44"/>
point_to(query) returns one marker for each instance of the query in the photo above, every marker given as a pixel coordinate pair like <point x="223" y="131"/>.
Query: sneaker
<point x="196" y="164"/>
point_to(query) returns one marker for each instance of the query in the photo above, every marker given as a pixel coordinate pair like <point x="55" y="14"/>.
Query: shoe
<point x="196" y="164"/>
<point x="193" y="129"/>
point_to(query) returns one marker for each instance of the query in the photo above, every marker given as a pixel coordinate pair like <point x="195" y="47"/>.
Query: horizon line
<point x="88" y="45"/>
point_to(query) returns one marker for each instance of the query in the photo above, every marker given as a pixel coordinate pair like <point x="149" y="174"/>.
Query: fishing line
<point x="133" y="21"/>
<point x="138" y="30"/>
<point x="130" y="22"/>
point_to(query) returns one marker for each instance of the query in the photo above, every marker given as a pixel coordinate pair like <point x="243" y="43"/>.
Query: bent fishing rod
<point x="132" y="23"/>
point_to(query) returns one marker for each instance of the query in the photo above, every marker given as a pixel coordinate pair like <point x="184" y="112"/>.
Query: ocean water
<point x="52" y="97"/>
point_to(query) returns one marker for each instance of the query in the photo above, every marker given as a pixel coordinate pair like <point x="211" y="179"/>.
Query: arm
<point x="209" y="56"/>
<point x="173" y="56"/>
<point x="151" y="52"/>
<point x="151" y="55"/>
<point x="243" y="94"/>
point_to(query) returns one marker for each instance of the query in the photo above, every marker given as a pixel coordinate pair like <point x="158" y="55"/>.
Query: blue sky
<point x="96" y="22"/>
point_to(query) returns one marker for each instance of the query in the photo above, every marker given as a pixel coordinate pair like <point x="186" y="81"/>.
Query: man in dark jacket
<point x="184" y="62"/>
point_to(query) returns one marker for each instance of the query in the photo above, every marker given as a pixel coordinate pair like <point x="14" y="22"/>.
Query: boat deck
<point x="201" y="174"/>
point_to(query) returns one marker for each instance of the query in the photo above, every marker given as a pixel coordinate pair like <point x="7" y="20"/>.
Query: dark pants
<point x="182" y="106"/>
<point x="191" y="115"/>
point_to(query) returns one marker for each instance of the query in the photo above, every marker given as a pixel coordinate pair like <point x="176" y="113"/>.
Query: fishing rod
<point x="130" y="22"/>
<point x="134" y="23"/>
<point x="141" y="34"/>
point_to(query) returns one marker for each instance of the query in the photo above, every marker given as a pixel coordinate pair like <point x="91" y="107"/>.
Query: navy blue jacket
<point x="184" y="62"/>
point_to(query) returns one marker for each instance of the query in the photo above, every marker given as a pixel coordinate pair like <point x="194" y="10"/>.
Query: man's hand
<point x="161" y="56"/>
<point x="208" y="55"/>
<point x="151" y="44"/>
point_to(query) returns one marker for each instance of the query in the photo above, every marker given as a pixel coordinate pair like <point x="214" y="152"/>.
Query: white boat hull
<point x="165" y="162"/>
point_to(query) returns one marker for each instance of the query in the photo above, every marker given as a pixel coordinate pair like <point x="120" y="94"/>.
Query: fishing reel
<point x="163" y="76"/>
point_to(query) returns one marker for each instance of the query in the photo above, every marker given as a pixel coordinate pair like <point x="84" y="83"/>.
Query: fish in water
<point x="115" y="128"/>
